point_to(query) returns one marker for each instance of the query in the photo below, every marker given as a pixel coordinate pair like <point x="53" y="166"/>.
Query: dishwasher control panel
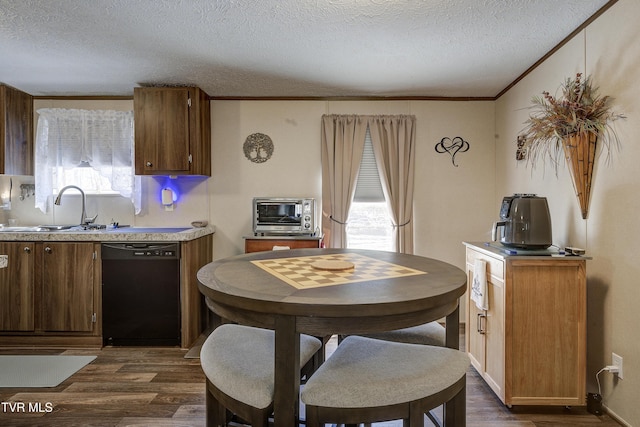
<point x="141" y="250"/>
<point x="155" y="252"/>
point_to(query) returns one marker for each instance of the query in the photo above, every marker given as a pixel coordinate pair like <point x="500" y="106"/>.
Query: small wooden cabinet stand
<point x="530" y="345"/>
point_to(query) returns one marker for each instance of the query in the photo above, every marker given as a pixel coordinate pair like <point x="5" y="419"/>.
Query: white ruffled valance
<point x="70" y="138"/>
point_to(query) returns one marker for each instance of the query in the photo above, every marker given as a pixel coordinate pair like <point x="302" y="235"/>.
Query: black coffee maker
<point x="525" y="222"/>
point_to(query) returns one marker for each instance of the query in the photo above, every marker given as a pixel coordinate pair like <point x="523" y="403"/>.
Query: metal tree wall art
<point x="452" y="146"/>
<point x="258" y="147"/>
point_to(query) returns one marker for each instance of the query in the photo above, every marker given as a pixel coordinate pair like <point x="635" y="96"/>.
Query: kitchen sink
<point x="56" y="227"/>
<point x="35" y="228"/>
<point x="19" y="229"/>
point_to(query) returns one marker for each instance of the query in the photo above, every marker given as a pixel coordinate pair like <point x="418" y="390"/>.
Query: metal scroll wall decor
<point x="258" y="147"/>
<point x="521" y="150"/>
<point x="452" y="146"/>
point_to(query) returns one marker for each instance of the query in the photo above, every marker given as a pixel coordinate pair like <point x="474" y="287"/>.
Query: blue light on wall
<point x="180" y="185"/>
<point x="169" y="193"/>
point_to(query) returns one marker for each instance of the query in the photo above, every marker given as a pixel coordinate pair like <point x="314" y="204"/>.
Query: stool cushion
<point x="240" y="362"/>
<point x="367" y="373"/>
<point x="431" y="333"/>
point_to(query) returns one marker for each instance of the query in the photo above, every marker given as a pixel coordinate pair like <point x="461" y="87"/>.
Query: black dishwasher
<point x="141" y="294"/>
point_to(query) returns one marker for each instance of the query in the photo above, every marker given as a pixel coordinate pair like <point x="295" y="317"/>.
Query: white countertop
<point x="126" y="234"/>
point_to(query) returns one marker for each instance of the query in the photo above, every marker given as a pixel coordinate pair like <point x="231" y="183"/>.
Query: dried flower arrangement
<point x="578" y="110"/>
<point x="571" y="124"/>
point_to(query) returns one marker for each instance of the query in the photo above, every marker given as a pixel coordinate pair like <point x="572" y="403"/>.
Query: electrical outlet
<point x="617" y="361"/>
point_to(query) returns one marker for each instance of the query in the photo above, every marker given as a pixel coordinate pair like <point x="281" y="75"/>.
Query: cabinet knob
<point x="48" y="250"/>
<point x="27" y="250"/>
<point x="149" y="164"/>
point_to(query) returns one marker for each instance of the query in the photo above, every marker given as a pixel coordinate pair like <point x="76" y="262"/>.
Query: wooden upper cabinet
<point x="16" y="132"/>
<point x="172" y="131"/>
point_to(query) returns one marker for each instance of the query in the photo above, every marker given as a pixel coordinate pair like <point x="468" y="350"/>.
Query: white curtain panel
<point x="70" y="138"/>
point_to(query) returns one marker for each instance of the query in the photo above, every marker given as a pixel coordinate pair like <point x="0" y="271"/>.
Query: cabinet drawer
<point x="257" y="245"/>
<point x="495" y="266"/>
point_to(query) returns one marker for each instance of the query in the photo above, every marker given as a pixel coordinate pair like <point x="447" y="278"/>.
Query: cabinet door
<point x="161" y="130"/>
<point x="67" y="287"/>
<point x="16" y="132"/>
<point x="200" y="132"/>
<point x="17" y="286"/>
<point x="476" y="327"/>
<point x="548" y="337"/>
<point x="495" y="335"/>
<point x="486" y="329"/>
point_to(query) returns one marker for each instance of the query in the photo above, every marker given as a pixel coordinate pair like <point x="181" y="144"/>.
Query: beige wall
<point x="452" y="204"/>
<point x="609" y="50"/>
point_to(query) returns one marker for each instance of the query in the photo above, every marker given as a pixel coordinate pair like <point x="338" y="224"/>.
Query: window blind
<point x="368" y="186"/>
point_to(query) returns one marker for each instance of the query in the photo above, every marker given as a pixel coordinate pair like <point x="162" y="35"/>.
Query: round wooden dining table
<point x="286" y="291"/>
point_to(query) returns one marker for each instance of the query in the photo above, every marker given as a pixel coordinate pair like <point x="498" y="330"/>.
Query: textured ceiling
<point x="280" y="48"/>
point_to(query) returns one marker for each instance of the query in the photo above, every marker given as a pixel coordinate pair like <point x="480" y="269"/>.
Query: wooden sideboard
<point x="530" y="344"/>
<point x="267" y="243"/>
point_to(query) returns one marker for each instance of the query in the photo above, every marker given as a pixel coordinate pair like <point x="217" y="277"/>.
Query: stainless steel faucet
<point x="83" y="217"/>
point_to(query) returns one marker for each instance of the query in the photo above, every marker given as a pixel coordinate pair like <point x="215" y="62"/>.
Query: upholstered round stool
<point x="239" y="364"/>
<point x="367" y="380"/>
<point x="432" y="333"/>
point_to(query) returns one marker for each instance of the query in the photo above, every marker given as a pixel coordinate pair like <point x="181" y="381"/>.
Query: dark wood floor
<point x="159" y="387"/>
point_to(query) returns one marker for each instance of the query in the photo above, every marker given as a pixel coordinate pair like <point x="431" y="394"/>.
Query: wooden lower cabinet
<point x="530" y="345"/>
<point x="68" y="287"/>
<point x="195" y="254"/>
<point x="51" y="296"/>
<point x="258" y="244"/>
<point x="59" y="300"/>
<point x="17" y="285"/>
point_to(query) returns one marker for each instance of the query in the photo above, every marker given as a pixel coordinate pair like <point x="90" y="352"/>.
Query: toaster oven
<point x="284" y="215"/>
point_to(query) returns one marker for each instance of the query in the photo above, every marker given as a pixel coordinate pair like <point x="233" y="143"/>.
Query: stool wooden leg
<point x="216" y="413"/>
<point x="455" y="411"/>
<point x="416" y="415"/>
<point x="259" y="418"/>
<point x="311" y="416"/>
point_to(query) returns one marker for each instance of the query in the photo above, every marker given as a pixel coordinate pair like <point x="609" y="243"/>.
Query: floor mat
<point x="39" y="371"/>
